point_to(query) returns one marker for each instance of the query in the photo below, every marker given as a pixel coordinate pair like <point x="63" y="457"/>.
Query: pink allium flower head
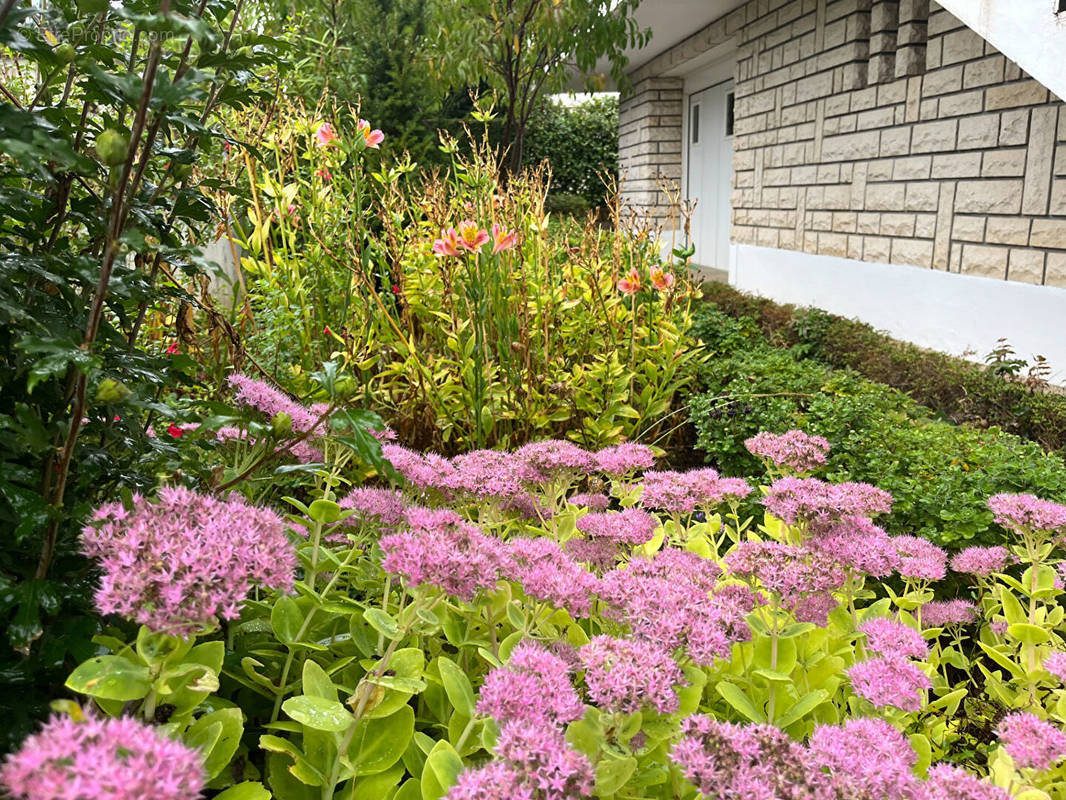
<point x="920" y="559"/>
<point x="421" y="470"/>
<point x="630" y="526"/>
<point x="1056" y="665"/>
<point x="889" y="682"/>
<point x="270" y="401"/>
<point x="492" y="473"/>
<point x="666" y="600"/>
<point x="857" y="544"/>
<point x="948" y="612"/>
<point x="981" y="561"/>
<point x="894" y="639"/>
<point x="98" y="758"/>
<point x="596" y="502"/>
<point x="726" y="761"/>
<point x="811" y="500"/>
<point x="627" y="675"/>
<point x="534" y="686"/>
<point x="1030" y="741"/>
<point x="866" y="758"/>
<point x="792" y="450"/>
<point x="1020" y="512"/>
<point x="597" y="553"/>
<point x="948" y="782"/>
<point x="442" y="551"/>
<point x="547" y="573"/>
<point x="555" y="456"/>
<point x="795" y="575"/>
<point x="624" y="459"/>
<point x="178" y="564"/>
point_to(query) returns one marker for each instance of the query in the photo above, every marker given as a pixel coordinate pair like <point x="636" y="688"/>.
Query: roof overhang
<point x="670" y="22"/>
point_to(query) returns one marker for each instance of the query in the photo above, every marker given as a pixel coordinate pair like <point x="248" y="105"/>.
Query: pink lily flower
<point x="661" y="280"/>
<point x="448" y="243"/>
<point x="502" y="239"/>
<point x="471" y="237"/>
<point x="630" y="284"/>
<point x="372" y="138"/>
<point x="325" y="136"/>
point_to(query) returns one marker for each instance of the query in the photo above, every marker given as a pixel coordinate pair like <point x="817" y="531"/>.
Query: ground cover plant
<point x="937" y="472"/>
<point x="554" y="623"/>
<point x="1006" y="392"/>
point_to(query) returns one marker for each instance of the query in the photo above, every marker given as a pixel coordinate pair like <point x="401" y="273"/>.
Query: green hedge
<point x="958" y="389"/>
<point x="580" y="143"/>
<point x="940" y="474"/>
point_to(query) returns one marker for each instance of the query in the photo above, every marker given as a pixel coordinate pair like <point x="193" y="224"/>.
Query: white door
<point x="710" y="172"/>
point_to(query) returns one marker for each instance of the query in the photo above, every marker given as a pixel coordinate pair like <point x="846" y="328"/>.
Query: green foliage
<point x="1009" y="393"/>
<point x="937" y="472"/>
<point x="362" y="684"/>
<point x="105" y="110"/>
<point x="526" y="49"/>
<point x="580" y="144"/>
<point x="462" y="350"/>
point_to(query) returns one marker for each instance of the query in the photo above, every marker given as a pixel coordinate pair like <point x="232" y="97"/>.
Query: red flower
<point x="175" y="430"/>
<point x="396" y="289"/>
<point x="172" y="349"/>
<point x="327" y="331"/>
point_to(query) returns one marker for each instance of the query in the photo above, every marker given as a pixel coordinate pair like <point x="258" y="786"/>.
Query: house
<point x="899" y="161"/>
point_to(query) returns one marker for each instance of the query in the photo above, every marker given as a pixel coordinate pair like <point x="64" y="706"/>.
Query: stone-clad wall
<point x="877" y="130"/>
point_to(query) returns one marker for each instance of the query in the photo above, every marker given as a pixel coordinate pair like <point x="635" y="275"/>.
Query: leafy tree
<point x="105" y="110"/>
<point x="525" y="48"/>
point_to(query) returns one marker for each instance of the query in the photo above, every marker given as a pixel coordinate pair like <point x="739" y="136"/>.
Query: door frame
<point x="721" y="69"/>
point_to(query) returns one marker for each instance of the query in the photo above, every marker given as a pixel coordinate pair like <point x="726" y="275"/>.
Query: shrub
<point x="960" y="390"/>
<point x="936" y="471"/>
<point x="478" y="634"/>
<point x="462" y="345"/>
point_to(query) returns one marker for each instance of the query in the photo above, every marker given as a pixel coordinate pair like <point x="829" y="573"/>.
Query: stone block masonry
<point x="879" y="130"/>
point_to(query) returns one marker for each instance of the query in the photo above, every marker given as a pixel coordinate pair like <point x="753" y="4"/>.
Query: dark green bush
<point x="579" y="142"/>
<point x="960" y="390"/>
<point x="940" y="474"/>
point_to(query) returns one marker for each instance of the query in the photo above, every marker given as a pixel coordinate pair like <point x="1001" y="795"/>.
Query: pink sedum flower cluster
<point x="534" y="763"/>
<point x="684" y="492"/>
<point x="919" y="559"/>
<point x="802" y="581"/>
<point x="623" y="460"/>
<point x="630" y="526"/>
<point x="178" y="564"/>
<point x="1030" y="741"/>
<point x="981" y="561"/>
<point x="595" y="502"/>
<point x="894" y="639"/>
<point x="98" y="758"/>
<point x="668" y="601"/>
<point x="547" y="573"/>
<point x="1026" y="512"/>
<point x="534" y="686"/>
<point x="948" y="782"/>
<point x="628" y="675"/>
<point x="815" y="502"/>
<point x="889" y="681"/>
<point x="793" y="450"/>
<point x="939" y="613"/>
<point x="866" y="758"/>
<point x="1056" y="665"/>
<point x="442" y="550"/>
<point x="553" y="456"/>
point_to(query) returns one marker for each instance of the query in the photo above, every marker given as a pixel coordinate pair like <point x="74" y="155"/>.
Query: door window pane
<point x="730" y="104"/>
<point x="694" y="124"/>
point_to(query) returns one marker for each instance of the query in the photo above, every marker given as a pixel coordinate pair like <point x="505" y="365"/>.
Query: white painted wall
<point x="1028" y="32"/>
<point x="957" y="314"/>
